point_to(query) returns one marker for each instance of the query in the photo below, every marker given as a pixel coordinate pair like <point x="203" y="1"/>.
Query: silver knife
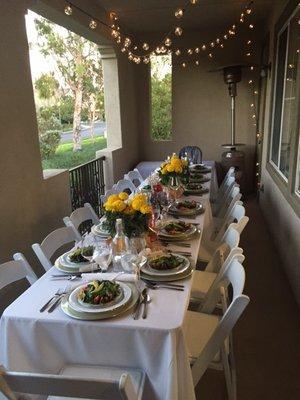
<point x="137" y="308"/>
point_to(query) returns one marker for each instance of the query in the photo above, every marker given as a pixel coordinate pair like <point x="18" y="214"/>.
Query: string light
<point x="197" y="62"/>
<point x="68" y="10"/>
<point x="168" y="42"/>
<point x="145" y="46"/>
<point x="179" y="13"/>
<point x="210" y="55"/>
<point x="178" y="31"/>
<point x="190" y="52"/>
<point x="177" y="52"/>
<point x="183" y="64"/>
<point x="251" y="26"/>
<point x="193" y="2"/>
<point x="93" y="24"/>
<point x="203" y="47"/>
<point x="127" y="42"/>
<point x="113" y="16"/>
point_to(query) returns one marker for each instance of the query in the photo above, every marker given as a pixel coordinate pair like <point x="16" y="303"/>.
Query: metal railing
<point x="87" y="184"/>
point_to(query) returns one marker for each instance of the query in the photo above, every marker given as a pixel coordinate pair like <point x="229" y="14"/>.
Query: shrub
<point x="49" y="135"/>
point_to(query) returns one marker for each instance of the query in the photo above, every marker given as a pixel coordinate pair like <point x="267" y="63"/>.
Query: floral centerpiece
<point x="135" y="213"/>
<point x="174" y="167"/>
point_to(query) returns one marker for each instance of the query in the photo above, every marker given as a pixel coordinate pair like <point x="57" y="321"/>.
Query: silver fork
<point x="57" y="294"/>
<point x="59" y="298"/>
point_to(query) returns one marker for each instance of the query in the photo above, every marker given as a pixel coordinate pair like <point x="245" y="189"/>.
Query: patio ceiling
<point x="142" y="16"/>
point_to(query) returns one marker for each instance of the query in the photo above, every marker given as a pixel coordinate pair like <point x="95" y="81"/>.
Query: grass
<point x="65" y="158"/>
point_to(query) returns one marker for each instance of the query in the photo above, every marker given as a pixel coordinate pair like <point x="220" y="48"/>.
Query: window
<point x="284" y="154"/>
<point x="161" y="97"/>
<point x="68" y="86"/>
<point x="286" y="110"/>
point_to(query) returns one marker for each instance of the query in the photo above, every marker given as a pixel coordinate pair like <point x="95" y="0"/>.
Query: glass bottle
<point x="120" y="245"/>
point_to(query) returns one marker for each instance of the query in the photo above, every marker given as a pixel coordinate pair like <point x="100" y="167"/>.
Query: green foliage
<point x="134" y="224"/>
<point x="161" y="97"/>
<point x="66" y="109"/>
<point x="64" y="156"/>
<point x="46" y="86"/>
<point x="49" y="134"/>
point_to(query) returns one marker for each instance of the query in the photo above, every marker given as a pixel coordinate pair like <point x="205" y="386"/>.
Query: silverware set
<point x="143" y="300"/>
<point x="55" y="300"/>
<point x="164" y="285"/>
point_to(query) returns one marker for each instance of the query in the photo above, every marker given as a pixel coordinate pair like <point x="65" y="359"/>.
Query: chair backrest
<point x="105" y="196"/>
<point x="135" y="177"/>
<point x="230" y="173"/>
<point x="194" y="153"/>
<point x="124" y="184"/>
<point x="81" y="215"/>
<point x="236" y="218"/>
<point x="231" y="237"/>
<point x="221" y="255"/>
<point x="230" y="272"/>
<point x="67" y="386"/>
<point x="232" y="196"/>
<point x="14" y="270"/>
<point x="222" y="331"/>
<point x="56" y="239"/>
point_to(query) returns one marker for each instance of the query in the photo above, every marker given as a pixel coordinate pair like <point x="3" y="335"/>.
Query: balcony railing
<point x="87" y="184"/>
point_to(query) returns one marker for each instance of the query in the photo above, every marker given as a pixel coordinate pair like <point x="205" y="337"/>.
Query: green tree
<point x="161" y="99"/>
<point x="49" y="134"/>
<point x="75" y="58"/>
<point x="47" y="86"/>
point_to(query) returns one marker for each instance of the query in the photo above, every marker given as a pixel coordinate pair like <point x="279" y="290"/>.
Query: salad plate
<point x="201" y="168"/>
<point x="177" y="230"/>
<point x="186" y="207"/>
<point x="122" y="296"/>
<point x="105" y="314"/>
<point x="64" y="264"/>
<point x="166" y="264"/>
<point x="168" y="278"/>
<point x="195" y="188"/>
<point x="98" y="230"/>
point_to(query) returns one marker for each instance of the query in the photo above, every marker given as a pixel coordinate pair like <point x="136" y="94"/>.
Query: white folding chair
<point x="221" y="197"/>
<point x="124" y="184"/>
<point x="135" y="177"/>
<point x="208" y="248"/>
<point x="230" y="198"/>
<point x="80" y="215"/>
<point x="89" y="382"/>
<point x="235" y="218"/>
<point x="49" y="246"/>
<point x="15" y="270"/>
<point x="230" y="173"/>
<point x="105" y="196"/>
<point x="202" y="280"/>
<point x="206" y="333"/>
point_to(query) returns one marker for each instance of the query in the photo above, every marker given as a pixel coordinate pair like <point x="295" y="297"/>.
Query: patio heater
<point x="233" y="157"/>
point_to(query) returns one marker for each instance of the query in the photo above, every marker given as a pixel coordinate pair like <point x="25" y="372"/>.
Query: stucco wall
<point x="282" y="220"/>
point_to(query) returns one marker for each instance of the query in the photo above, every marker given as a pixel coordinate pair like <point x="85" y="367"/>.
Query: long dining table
<point x="45" y="342"/>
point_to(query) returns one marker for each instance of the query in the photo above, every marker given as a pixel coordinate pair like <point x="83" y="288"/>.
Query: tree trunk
<point x="92" y="115"/>
<point x="77" y="117"/>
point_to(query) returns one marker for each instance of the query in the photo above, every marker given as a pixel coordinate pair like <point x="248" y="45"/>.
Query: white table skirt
<point x="42" y="342"/>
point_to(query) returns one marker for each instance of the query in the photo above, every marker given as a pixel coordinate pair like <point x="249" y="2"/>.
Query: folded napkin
<point x="108" y="276"/>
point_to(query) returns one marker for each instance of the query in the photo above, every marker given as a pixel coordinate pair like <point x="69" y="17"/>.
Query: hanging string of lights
<point x="138" y="52"/>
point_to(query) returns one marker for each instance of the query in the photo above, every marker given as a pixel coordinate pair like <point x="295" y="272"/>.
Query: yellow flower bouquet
<point x="135" y="213"/>
<point x="173" y="167"/>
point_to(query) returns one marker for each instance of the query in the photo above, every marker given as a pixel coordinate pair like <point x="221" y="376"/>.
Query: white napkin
<point x="108" y="276"/>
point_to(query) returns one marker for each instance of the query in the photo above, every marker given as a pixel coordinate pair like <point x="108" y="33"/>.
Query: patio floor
<point x="267" y="337"/>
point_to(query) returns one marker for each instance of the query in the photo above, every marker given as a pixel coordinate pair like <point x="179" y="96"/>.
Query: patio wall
<point x="282" y="220"/>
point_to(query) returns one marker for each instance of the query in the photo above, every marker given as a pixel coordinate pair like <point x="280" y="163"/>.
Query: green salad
<point x="165" y="262"/>
<point x="78" y="255"/>
<point x="99" y="292"/>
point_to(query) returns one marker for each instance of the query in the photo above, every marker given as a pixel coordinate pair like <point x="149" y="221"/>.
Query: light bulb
<point x="115" y="33"/>
<point x="248" y="54"/>
<point x="93" y="24"/>
<point x="127" y="42"/>
<point x="130" y="56"/>
<point x="178" y="31"/>
<point x="212" y="44"/>
<point x="119" y="39"/>
<point x="197" y="62"/>
<point x="145" y="46"/>
<point x="249" y="42"/>
<point x="251" y="26"/>
<point x="222" y="46"/>
<point x="225" y="37"/>
<point x="190" y="52"/>
<point x="193" y="1"/>
<point x="210" y="55"/>
<point x="251" y="68"/>
<point x="252" y="105"/>
<point x="197" y="50"/>
<point x="183" y="64"/>
<point x="135" y="48"/>
<point x="157" y="50"/>
<point x="179" y="13"/>
<point x="113" y="16"/>
<point x="255" y="92"/>
<point x="248" y="11"/>
<point x="250" y="81"/>
<point x="123" y="49"/>
<point x="138" y="60"/>
<point x="163" y="49"/>
<point x="177" y="52"/>
<point x="168" y="42"/>
<point x="68" y="10"/>
<point x="218" y="40"/>
<point x="146" y="60"/>
<point x="241" y="20"/>
<point x="203" y="47"/>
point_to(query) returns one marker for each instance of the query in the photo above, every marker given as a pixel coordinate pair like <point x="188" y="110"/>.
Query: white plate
<point x="64" y="261"/>
<point x="76" y="305"/>
<point x="198" y="210"/>
<point x="65" y="306"/>
<point x="98" y="231"/>
<point x="146" y="269"/>
<point x="182" y="235"/>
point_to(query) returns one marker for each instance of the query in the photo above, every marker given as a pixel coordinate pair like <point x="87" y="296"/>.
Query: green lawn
<point x="65" y="158"/>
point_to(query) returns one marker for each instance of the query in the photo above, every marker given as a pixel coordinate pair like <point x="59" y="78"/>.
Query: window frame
<point x="287" y="185"/>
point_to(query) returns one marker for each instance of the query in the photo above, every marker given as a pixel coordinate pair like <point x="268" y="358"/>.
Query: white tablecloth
<point x="43" y="342"/>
